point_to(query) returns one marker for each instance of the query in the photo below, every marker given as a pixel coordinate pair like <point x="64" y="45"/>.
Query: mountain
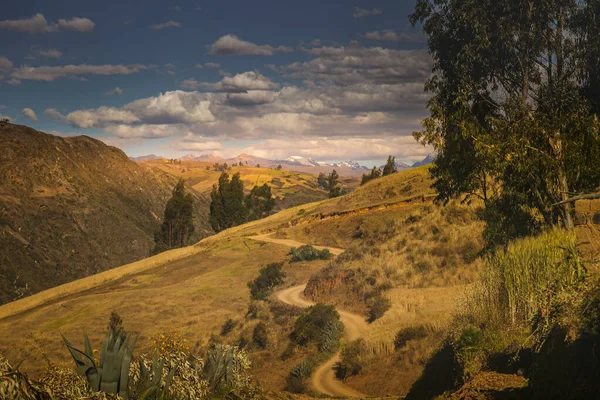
<point x="202" y="158"/>
<point x="72" y="207"/>
<point x="149" y="157"/>
<point x="353" y="165"/>
<point x="427" y="160"/>
<point x="399" y="165"/>
<point x="249" y="160"/>
<point x="297" y="160"/>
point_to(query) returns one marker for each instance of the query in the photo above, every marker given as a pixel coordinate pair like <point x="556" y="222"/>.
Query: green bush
<point x="410" y="333"/>
<point x="296" y="380"/>
<point x="319" y="324"/>
<point x="259" y="335"/>
<point x="470" y="351"/>
<point x="596" y="218"/>
<point x="352" y="359"/>
<point x="308" y="253"/>
<point x="269" y="277"/>
<point x="378" y="305"/>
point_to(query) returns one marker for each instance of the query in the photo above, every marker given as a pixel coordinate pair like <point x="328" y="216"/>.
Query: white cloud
<point x="145" y="131"/>
<point x="115" y="91"/>
<point x="168" y="24"/>
<point x="99" y="117"/>
<point x="48" y="73"/>
<point x="38" y="24"/>
<point x="362" y="12"/>
<point x="391" y="36"/>
<point x="239" y="83"/>
<point x="232" y="45"/>
<point x="51" y="53"/>
<point x="14" y="82"/>
<point x="5" y="64"/>
<point x="170" y="69"/>
<point x="28" y="112"/>
<point x="172" y="107"/>
<point x="2" y="116"/>
<point x="54" y="114"/>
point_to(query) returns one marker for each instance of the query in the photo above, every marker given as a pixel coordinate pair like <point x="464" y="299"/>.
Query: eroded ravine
<point x="323" y="379"/>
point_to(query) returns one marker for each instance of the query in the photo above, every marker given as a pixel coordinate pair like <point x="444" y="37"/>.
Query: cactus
<point x="111" y="375"/>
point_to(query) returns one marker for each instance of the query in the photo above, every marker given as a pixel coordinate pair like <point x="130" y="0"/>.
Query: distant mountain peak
<point x="298" y="160"/>
<point x="427" y="160"/>
<point x="350" y="164"/>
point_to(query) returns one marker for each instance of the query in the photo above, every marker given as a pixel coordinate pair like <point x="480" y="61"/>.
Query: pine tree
<point x="374" y="174"/>
<point x="228" y="206"/>
<point x="178" y="221"/>
<point x="260" y="202"/>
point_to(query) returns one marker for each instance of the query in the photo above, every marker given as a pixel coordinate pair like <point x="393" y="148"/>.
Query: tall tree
<point x="333" y="180"/>
<point x="512" y="116"/>
<point x="227" y="206"/>
<point x="178" y="222"/>
<point x="260" y="202"/>
<point x="374" y="174"/>
<point x="390" y="166"/>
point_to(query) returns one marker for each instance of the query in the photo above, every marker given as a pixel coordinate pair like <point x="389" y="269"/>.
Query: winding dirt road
<point x="323" y="379"/>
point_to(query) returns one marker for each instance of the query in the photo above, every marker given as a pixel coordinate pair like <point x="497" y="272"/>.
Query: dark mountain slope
<point x="71" y="207"/>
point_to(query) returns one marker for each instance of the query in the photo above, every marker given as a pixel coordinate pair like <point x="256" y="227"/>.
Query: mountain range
<point x="291" y="163"/>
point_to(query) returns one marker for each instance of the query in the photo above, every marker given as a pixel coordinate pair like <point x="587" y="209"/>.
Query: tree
<point x="257" y="165"/>
<point x="513" y="116"/>
<point x="260" y="202"/>
<point x="178" y="221"/>
<point x="333" y="184"/>
<point x="227" y="206"/>
<point x="269" y="277"/>
<point x="374" y="174"/>
<point x="390" y="166"/>
<point x="279" y="167"/>
<point x="322" y="181"/>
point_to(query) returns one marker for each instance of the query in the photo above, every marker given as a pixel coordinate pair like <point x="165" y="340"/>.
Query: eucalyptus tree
<point x="513" y="112"/>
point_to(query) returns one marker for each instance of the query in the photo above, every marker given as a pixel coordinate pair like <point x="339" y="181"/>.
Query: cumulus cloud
<point x="48" y="73"/>
<point x="28" y="112"/>
<point x="38" y="24"/>
<point x="5" y="64"/>
<point x="115" y="91"/>
<point x="54" y="114"/>
<point x="232" y="45"/>
<point x="356" y="65"/>
<point x="391" y="36"/>
<point x="168" y="24"/>
<point x="362" y="12"/>
<point x="239" y="83"/>
<point x="51" y="53"/>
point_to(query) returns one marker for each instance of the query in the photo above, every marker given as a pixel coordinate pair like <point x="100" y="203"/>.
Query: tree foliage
<point x="513" y="112"/>
<point x="390" y="166"/>
<point x="229" y="205"/>
<point x="333" y="184"/>
<point x="374" y="174"/>
<point x="178" y="222"/>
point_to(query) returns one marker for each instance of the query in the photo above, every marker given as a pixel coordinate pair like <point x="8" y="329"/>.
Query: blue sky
<point x="333" y="80"/>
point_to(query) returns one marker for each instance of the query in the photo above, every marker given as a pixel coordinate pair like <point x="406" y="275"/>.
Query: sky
<point x="331" y="80"/>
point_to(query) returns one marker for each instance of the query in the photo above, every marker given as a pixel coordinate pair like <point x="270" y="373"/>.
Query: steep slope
<point x="72" y="207"/>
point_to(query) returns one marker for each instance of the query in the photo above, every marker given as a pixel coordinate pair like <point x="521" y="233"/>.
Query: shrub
<point x="308" y="253"/>
<point x="319" y="324"/>
<point x="269" y="277"/>
<point x="296" y="380"/>
<point x="228" y="327"/>
<point x="410" y="333"/>
<point x="378" y="305"/>
<point x="259" y="335"/>
<point x="469" y="351"/>
<point x="352" y="359"/>
<point x="596" y="218"/>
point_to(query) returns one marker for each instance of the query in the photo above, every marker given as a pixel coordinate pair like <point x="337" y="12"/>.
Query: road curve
<point x="323" y="380"/>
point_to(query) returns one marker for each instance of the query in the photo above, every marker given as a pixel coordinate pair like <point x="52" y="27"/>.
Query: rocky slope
<point x="71" y="207"/>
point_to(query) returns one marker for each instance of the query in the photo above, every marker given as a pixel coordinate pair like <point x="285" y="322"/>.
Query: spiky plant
<point x="111" y="375"/>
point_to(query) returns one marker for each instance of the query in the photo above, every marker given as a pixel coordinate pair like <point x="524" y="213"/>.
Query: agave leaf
<point x="88" y="347"/>
<point x="125" y="365"/>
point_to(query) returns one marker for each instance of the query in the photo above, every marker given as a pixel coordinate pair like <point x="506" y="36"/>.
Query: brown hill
<point x="72" y="207"/>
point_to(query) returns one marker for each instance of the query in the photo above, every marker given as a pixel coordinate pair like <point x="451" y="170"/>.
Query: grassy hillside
<point x="72" y="207"/>
<point x="289" y="188"/>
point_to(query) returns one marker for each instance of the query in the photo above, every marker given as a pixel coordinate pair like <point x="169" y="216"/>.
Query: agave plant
<point x="149" y="385"/>
<point x="111" y="375"/>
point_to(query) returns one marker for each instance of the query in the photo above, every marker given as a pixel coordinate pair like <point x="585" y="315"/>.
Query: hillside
<point x="290" y="188"/>
<point x="195" y="290"/>
<point x="72" y="207"/>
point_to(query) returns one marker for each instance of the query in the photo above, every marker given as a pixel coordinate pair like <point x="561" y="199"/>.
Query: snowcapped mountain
<point x="399" y="165"/>
<point x="351" y="165"/>
<point x="297" y="160"/>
